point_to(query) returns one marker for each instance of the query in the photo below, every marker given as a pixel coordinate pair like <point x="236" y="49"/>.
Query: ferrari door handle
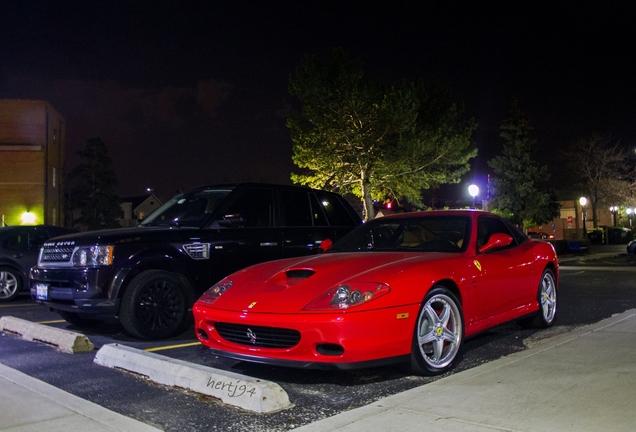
<point x="269" y="244"/>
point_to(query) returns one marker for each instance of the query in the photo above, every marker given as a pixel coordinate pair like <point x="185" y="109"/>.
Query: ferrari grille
<point x="265" y="337"/>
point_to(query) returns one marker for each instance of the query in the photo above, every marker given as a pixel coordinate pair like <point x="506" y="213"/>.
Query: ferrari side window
<point x="487" y="226"/>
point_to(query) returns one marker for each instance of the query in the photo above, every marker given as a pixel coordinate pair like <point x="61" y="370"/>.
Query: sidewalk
<point x="29" y="404"/>
<point x="580" y="381"/>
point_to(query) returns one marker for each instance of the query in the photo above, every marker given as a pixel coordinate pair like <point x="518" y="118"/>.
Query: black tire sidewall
<point x="128" y="313"/>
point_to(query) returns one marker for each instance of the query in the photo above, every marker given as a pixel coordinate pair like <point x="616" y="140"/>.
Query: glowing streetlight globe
<point x="473" y="190"/>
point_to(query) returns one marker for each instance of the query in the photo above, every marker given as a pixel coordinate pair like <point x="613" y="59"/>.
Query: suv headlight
<point x="93" y="256"/>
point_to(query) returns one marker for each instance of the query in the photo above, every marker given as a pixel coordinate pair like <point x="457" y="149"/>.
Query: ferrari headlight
<point x="348" y="296"/>
<point x="93" y="256"/>
<point x="216" y="291"/>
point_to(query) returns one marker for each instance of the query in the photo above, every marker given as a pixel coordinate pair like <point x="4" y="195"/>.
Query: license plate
<point x="41" y="291"/>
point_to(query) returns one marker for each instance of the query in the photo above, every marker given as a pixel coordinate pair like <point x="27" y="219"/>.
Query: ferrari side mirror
<point x="497" y="240"/>
<point x="325" y="245"/>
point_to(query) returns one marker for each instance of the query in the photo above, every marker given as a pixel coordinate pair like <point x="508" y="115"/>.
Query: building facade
<point x="32" y="146"/>
<point x="137" y="208"/>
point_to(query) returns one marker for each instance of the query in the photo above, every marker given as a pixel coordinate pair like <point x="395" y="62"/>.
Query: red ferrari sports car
<point x="405" y="288"/>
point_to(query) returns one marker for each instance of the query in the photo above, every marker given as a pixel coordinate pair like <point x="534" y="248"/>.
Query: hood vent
<point x="299" y="273"/>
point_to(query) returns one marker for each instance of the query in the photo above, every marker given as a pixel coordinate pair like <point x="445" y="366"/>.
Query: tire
<point x="10" y="284"/>
<point x="547" y="298"/>
<point x="438" y="333"/>
<point x="155" y="305"/>
<point x="79" y="321"/>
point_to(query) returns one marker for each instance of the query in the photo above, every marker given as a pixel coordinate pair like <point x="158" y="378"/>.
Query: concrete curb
<point x="64" y="340"/>
<point x="244" y="392"/>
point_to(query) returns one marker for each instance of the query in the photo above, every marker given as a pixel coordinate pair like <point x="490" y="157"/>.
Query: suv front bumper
<point x="91" y="291"/>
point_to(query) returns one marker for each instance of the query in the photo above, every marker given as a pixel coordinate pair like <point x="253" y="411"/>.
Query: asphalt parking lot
<point x="314" y="394"/>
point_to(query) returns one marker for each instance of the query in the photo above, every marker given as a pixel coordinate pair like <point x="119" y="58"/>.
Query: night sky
<point x="186" y="93"/>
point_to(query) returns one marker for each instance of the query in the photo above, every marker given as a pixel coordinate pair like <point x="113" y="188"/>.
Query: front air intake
<point x="299" y="273"/>
<point x="257" y="336"/>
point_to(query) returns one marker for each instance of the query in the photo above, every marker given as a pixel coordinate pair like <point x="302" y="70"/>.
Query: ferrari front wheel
<point x="438" y="333"/>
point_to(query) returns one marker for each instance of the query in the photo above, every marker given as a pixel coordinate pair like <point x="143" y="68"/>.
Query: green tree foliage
<point x="599" y="170"/>
<point x="91" y="188"/>
<point x="377" y="141"/>
<point x="521" y="189"/>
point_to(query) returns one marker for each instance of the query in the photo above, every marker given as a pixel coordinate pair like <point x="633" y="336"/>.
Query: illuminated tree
<point x="521" y="191"/>
<point x="376" y="141"/>
<point x="91" y="188"/>
<point x="598" y="168"/>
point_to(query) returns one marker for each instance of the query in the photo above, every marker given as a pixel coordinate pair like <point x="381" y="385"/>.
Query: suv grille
<point x="58" y="254"/>
<point x="265" y="337"/>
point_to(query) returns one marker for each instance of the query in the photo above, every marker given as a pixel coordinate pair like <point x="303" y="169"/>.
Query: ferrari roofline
<point x="455" y="212"/>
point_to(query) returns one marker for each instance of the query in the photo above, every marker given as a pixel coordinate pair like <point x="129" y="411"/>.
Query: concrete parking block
<point x="239" y="390"/>
<point x="64" y="340"/>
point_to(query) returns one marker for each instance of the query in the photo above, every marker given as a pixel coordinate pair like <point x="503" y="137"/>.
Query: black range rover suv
<point x="151" y="275"/>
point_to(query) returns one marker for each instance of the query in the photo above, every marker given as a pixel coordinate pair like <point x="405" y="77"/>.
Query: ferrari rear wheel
<point x="438" y="334"/>
<point x="547" y="300"/>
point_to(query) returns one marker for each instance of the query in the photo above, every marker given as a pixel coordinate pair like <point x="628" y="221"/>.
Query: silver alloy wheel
<point x="548" y="297"/>
<point x="439" y="331"/>
<point x="8" y="284"/>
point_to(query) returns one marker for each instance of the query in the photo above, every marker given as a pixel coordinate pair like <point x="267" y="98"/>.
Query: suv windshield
<point x="191" y="209"/>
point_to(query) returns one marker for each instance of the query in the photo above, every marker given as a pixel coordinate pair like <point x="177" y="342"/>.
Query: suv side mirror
<point x="495" y="241"/>
<point x="232" y="220"/>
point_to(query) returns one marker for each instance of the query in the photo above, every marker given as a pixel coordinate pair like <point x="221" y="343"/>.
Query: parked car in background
<point x="631" y="247"/>
<point x="150" y="276"/>
<point x="619" y="235"/>
<point x="403" y="288"/>
<point x="19" y="248"/>
<point x="540" y="235"/>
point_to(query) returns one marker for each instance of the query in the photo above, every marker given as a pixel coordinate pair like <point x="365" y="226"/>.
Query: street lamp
<point x="583" y="202"/>
<point x="473" y="191"/>
<point x="614" y="210"/>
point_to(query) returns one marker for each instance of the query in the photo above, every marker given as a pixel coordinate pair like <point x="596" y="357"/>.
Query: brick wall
<point x="32" y="145"/>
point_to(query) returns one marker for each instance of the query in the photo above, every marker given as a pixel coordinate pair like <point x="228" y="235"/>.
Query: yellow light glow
<point x="28" y="218"/>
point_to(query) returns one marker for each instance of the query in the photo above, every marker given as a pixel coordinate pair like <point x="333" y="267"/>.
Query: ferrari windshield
<point x="424" y="233"/>
<point x="190" y="209"/>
